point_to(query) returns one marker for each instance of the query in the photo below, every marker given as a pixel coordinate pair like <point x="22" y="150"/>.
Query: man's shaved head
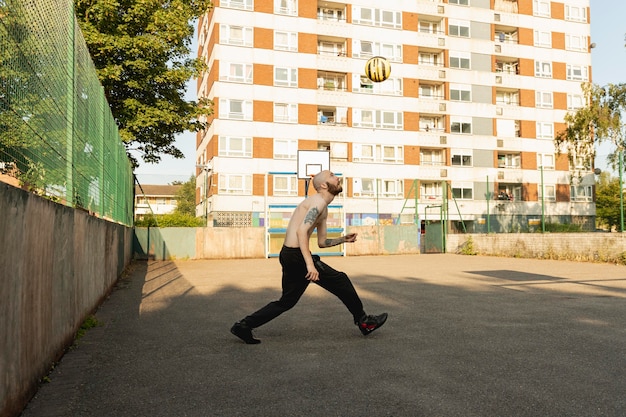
<point x="320" y="179"/>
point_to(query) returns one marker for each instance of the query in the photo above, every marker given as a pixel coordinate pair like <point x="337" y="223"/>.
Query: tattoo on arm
<point x="334" y="242"/>
<point x="311" y="216"/>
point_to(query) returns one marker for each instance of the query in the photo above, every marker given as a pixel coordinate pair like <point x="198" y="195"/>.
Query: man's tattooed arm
<point x="334" y="242"/>
<point x="311" y="216"/>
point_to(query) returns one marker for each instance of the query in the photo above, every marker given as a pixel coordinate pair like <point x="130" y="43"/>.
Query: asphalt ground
<point x="466" y="336"/>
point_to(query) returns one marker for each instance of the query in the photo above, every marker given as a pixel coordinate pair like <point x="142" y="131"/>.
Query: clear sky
<point x="608" y="29"/>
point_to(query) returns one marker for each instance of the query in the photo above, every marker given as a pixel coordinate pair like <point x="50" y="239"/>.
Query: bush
<point x="170" y="220"/>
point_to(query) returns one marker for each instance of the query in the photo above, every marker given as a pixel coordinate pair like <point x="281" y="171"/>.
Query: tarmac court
<point x="466" y="336"/>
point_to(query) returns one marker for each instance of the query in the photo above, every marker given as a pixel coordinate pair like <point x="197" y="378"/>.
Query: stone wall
<point x="593" y="247"/>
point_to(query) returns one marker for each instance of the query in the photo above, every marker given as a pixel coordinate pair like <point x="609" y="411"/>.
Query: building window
<point x="462" y="191"/>
<point x="541" y="8"/>
<point x="543" y="99"/>
<point x="371" y="187"/>
<point x="391" y="188"/>
<point x="509" y="98"/>
<point x="462" y="157"/>
<point x="545" y="160"/>
<point x="431" y="156"/>
<point x="545" y="130"/>
<point x="431" y="191"/>
<point x="576" y="43"/>
<point x="392" y="154"/>
<point x="236" y="72"/>
<point x="430" y="58"/>
<point x="460" y="60"/>
<point x="367" y="49"/>
<point x="575" y="101"/>
<point x="581" y="193"/>
<point x="430" y="91"/>
<point x="425" y="26"/>
<point x="377" y="119"/>
<point x="508" y="160"/>
<point x="543" y="39"/>
<point x="240" y="184"/>
<point x="326" y="47"/>
<point x="376" y="17"/>
<point x="331" y="80"/>
<point x="286" y="41"/>
<point x="548" y="193"/>
<point x="388" y="154"/>
<point x="577" y="72"/>
<point x="543" y="69"/>
<point x="364" y="187"/>
<point x="459" y="2"/>
<point x="461" y="125"/>
<point x="460" y="92"/>
<point x="576" y="13"/>
<point x="285" y="113"/>
<point x="235" y="109"/>
<point x="286" y="185"/>
<point x="235" y="146"/>
<point x="237" y="4"/>
<point x="285" y="148"/>
<point x="336" y="15"/>
<point x="285" y="77"/>
<point x="507" y="67"/>
<point x="459" y="28"/>
<point x="431" y="124"/>
<point x="286" y="7"/>
<point x="236" y="35"/>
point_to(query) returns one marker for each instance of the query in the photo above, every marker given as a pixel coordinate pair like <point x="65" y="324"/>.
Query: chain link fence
<point x="58" y="137"/>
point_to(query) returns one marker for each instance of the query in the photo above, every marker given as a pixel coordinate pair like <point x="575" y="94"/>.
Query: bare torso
<point x="312" y="206"/>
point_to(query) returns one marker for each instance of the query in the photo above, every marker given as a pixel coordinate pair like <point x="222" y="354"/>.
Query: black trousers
<point x="294" y="284"/>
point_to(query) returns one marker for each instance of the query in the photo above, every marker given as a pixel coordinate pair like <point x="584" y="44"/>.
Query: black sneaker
<point x="242" y="331"/>
<point x="368" y="324"/>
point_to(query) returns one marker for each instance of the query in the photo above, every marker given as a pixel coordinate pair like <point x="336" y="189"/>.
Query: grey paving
<point x="467" y="336"/>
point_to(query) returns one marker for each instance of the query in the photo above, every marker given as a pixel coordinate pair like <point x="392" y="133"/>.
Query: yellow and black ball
<point x="377" y="69"/>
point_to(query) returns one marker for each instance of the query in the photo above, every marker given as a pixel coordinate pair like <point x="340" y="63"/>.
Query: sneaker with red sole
<point x="368" y="324"/>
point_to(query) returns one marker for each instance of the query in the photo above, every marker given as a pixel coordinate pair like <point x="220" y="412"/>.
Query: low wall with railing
<point x="56" y="266"/>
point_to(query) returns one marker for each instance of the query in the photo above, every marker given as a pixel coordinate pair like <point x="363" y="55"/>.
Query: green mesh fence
<point x="57" y="135"/>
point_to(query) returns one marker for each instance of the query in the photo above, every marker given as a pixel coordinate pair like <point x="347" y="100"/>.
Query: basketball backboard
<point x="312" y="162"/>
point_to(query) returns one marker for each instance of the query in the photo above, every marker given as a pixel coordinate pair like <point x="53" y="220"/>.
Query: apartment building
<point x="155" y="199"/>
<point x="477" y="93"/>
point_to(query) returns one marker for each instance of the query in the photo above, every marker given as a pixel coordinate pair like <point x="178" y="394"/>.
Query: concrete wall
<point x="249" y="242"/>
<point x="594" y="247"/>
<point x="56" y="266"/>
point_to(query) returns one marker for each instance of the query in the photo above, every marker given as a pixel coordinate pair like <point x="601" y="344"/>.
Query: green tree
<point x="141" y="49"/>
<point x="186" y="198"/>
<point x="607" y="202"/>
<point x="599" y="121"/>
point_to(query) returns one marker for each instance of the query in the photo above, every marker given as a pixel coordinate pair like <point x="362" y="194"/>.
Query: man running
<point x="300" y="267"/>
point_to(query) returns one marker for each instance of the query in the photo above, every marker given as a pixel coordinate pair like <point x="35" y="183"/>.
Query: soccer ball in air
<point x="377" y="69"/>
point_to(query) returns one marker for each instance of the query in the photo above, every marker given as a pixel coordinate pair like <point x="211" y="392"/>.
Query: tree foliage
<point x="597" y="122"/>
<point x="186" y="198"/>
<point x="607" y="202"/>
<point x="141" y="50"/>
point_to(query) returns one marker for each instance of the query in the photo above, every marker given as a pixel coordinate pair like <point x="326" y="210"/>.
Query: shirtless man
<point x="300" y="267"/>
